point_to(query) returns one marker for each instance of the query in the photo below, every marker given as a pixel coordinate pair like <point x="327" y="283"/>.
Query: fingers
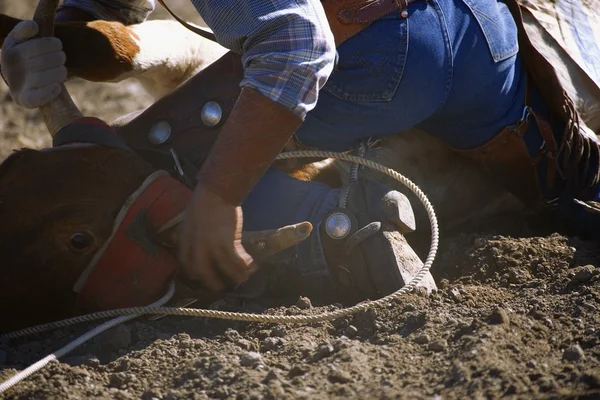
<point x="47" y="61"/>
<point x="217" y="266"/>
<point x="47" y="77"/>
<point x="195" y="260"/>
<point x="23" y="31"/>
<point x="234" y="265"/>
<point x="38" y="47"/>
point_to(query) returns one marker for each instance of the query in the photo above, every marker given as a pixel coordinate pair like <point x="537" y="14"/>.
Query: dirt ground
<point x="516" y="317"/>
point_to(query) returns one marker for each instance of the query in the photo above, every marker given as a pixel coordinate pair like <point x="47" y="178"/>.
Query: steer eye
<point x="81" y="241"/>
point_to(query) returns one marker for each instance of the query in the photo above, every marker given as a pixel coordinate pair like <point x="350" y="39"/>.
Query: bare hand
<point x="211" y="248"/>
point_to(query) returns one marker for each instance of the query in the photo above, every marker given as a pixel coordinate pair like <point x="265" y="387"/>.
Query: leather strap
<point x="346" y="17"/>
<point x="182" y="109"/>
<point x="198" y="31"/>
<point x="89" y="130"/>
<point x="349" y="17"/>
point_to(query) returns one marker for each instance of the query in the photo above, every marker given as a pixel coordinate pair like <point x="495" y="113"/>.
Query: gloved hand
<point x="33" y="68"/>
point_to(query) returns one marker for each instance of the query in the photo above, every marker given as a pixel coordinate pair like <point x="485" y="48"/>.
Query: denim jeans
<point x="451" y="68"/>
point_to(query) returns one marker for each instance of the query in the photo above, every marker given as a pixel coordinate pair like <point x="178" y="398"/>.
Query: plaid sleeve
<point x="125" y="11"/>
<point x="287" y="47"/>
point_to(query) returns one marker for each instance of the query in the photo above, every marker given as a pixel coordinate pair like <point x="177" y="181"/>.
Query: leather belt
<point x="348" y="17"/>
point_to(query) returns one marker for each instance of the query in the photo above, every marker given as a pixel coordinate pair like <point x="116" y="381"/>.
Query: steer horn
<point x="61" y="111"/>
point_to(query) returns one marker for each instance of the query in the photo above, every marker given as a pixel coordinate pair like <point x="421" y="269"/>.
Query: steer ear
<point x="11" y="160"/>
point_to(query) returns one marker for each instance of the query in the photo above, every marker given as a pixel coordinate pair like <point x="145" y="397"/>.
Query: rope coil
<point x="157" y="309"/>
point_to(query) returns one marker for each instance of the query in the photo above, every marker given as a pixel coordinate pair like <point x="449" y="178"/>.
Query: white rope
<point x="157" y="309"/>
<point x="32" y="369"/>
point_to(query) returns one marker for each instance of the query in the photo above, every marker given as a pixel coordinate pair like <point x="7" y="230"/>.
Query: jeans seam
<point x="449" y="51"/>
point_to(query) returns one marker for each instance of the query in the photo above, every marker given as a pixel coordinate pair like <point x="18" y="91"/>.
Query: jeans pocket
<point x="498" y="26"/>
<point x="371" y="63"/>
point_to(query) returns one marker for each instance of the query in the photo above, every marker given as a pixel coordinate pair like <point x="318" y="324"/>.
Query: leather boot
<point x="361" y="241"/>
<point x="364" y="244"/>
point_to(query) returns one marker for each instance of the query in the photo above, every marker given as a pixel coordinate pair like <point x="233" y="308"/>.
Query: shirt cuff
<point x="292" y="78"/>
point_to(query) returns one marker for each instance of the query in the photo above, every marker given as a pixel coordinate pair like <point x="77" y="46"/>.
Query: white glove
<point x="32" y="68"/>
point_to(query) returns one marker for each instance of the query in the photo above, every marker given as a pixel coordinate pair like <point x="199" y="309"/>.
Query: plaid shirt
<point x="287" y="48"/>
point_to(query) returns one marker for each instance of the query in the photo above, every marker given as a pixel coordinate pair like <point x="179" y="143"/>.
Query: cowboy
<point x="452" y="68"/>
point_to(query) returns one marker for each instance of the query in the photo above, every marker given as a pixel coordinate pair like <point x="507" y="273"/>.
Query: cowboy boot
<point x="360" y="244"/>
<point x="364" y="244"/>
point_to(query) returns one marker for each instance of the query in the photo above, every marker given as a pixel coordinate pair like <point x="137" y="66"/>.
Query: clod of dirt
<point x="278" y="331"/>
<point x="460" y="373"/>
<point x="519" y="276"/>
<point x="118" y="380"/>
<point x="297" y="370"/>
<point x="86" y="359"/>
<point x="339" y="376"/>
<point x="582" y="275"/>
<point x="455" y="294"/>
<point x="573" y="353"/>
<point x="304" y="303"/>
<point x="269" y="344"/>
<point x="250" y="358"/>
<point x="499" y="317"/>
<point x="325" y="350"/>
<point x="351" y="331"/>
<point x="592" y="378"/>
<point x="438" y="345"/>
<point x="232" y="335"/>
<point x="271" y="376"/>
<point x="422" y="339"/>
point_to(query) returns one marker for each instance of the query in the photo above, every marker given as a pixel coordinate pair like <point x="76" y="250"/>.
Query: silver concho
<point x="211" y="113"/>
<point x="159" y="133"/>
<point x="338" y="225"/>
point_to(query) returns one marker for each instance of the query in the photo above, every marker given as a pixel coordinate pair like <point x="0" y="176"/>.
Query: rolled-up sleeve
<point x="127" y="12"/>
<point x="287" y="47"/>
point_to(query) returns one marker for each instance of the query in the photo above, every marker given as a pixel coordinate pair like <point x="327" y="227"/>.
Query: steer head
<point x="58" y="208"/>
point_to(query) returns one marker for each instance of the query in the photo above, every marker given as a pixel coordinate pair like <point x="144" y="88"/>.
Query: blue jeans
<point x="451" y="68"/>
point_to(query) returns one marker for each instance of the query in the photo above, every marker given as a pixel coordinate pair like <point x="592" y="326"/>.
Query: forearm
<point x="127" y="12"/>
<point x="288" y="53"/>
<point x="255" y="132"/>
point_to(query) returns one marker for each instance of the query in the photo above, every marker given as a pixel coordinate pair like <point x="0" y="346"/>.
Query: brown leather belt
<point x="348" y="17"/>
